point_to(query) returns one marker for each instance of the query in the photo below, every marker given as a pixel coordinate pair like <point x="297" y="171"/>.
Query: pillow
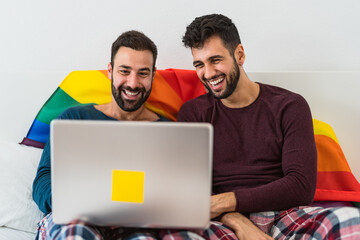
<point x="173" y="87"/>
<point x="18" y="164"/>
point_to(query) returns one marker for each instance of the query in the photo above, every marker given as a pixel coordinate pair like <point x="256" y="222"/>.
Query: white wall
<point x="278" y="35"/>
<point x="42" y="41"/>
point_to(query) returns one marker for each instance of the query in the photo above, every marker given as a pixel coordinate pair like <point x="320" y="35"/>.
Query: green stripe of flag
<point x="56" y="104"/>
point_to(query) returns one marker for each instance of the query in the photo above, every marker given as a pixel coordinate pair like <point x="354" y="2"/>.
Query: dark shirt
<point x="42" y="182"/>
<point x="265" y="153"/>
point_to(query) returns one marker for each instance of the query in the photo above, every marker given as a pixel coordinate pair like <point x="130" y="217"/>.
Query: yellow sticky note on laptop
<point x="127" y="186"/>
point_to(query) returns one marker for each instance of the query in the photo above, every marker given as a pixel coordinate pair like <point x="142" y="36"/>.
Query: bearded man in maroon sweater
<point x="265" y="160"/>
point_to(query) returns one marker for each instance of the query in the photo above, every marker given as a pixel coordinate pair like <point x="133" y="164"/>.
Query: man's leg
<point x="215" y="231"/>
<point x="312" y="223"/>
<point x="141" y="236"/>
<point x="47" y="229"/>
<point x="132" y="234"/>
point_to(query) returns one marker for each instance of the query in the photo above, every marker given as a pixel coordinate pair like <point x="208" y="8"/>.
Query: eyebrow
<point x="209" y="59"/>
<point x="145" y="69"/>
<point x="141" y="69"/>
<point x="124" y="66"/>
<point x="215" y="56"/>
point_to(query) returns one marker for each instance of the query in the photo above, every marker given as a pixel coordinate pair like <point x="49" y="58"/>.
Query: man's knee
<point x="74" y="231"/>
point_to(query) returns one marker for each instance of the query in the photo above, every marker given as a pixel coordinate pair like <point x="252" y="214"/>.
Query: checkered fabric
<point x="310" y="223"/>
<point x="306" y="222"/>
<point x="47" y="229"/>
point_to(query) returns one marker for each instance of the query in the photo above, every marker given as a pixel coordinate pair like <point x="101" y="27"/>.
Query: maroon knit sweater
<point x="265" y="153"/>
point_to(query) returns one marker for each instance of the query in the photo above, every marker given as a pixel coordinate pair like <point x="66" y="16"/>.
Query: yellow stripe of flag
<point x="98" y="87"/>
<point x="321" y="128"/>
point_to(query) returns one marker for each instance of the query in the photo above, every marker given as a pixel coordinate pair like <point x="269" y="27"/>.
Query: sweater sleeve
<point x="299" y="166"/>
<point x="42" y="182"/>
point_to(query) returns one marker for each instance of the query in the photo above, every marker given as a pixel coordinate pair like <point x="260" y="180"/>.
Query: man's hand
<point x="243" y="227"/>
<point x="224" y="202"/>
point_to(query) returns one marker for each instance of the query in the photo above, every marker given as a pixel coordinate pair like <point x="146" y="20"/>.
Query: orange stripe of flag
<point x="164" y="97"/>
<point x="330" y="155"/>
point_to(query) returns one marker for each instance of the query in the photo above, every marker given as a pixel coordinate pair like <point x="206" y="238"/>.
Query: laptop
<point x="131" y="174"/>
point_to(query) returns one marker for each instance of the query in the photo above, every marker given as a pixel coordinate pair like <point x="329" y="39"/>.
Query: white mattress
<point x="12" y="234"/>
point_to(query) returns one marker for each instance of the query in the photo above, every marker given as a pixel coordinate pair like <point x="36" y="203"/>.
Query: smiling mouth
<point x="215" y="83"/>
<point x="131" y="93"/>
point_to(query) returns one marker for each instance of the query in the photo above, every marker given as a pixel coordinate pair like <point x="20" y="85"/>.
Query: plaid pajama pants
<point x="307" y="222"/>
<point x="47" y="229"/>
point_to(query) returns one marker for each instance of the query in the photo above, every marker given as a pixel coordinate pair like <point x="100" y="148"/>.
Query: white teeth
<point x="131" y="93"/>
<point x="213" y="83"/>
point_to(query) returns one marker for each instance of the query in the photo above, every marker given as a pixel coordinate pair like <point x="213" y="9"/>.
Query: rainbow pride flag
<point x="171" y="88"/>
<point x="335" y="181"/>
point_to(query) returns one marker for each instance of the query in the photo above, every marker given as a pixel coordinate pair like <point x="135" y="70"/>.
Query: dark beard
<point x="230" y="86"/>
<point x="128" y="105"/>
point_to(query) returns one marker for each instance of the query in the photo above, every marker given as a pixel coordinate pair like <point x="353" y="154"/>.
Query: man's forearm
<point x="221" y="203"/>
<point x="243" y="227"/>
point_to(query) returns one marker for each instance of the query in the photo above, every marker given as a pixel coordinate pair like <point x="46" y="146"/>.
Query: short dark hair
<point x="204" y="27"/>
<point x="135" y="40"/>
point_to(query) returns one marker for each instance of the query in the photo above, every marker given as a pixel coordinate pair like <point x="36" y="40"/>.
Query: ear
<point x="153" y="73"/>
<point x="239" y="54"/>
<point x="109" y="70"/>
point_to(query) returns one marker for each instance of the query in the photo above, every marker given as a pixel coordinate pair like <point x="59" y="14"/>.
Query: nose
<point x="132" y="80"/>
<point x="209" y="71"/>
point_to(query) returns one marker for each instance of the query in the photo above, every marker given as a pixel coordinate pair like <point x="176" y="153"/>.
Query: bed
<point x="336" y="117"/>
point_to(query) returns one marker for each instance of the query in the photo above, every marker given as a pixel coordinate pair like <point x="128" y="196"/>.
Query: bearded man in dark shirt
<point x="265" y="159"/>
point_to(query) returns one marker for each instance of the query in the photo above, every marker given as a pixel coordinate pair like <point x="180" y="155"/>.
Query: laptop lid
<point x="134" y="174"/>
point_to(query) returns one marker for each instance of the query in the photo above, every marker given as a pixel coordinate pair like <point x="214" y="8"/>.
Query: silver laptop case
<point x="134" y="174"/>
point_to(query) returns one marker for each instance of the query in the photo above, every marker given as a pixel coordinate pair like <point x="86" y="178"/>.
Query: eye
<point x="124" y="72"/>
<point x="144" y="74"/>
<point x="198" y="65"/>
<point x="216" y="60"/>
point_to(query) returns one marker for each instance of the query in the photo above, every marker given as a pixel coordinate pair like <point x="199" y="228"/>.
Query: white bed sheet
<point x="12" y="234"/>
